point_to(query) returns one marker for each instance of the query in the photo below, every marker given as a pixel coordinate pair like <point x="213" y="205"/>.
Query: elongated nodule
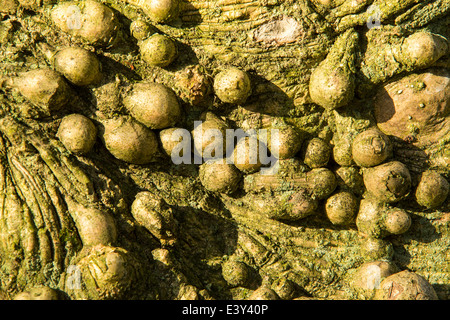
<point x="332" y="83"/>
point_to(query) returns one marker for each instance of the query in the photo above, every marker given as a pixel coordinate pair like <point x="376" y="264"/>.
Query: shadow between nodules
<point x="387" y="110"/>
<point x="205" y="239"/>
<point x="189" y="15"/>
<point x="268" y="98"/>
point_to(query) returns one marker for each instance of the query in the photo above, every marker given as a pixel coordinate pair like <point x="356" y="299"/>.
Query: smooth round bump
<point x="342" y="153"/>
<point x="39" y="293"/>
<point x="330" y="89"/>
<point x="130" y="141"/>
<point x="422" y="49"/>
<point x="194" y="85"/>
<point x="290" y="205"/>
<point x="154" y="105"/>
<point x="284" y="288"/>
<point x="370" y="275"/>
<point x="117" y="273"/>
<point x="397" y="221"/>
<point x="158" y="50"/>
<point x="322" y="182"/>
<point x="373" y="249"/>
<point x="389" y="182"/>
<point x="432" y="190"/>
<point x="284" y="142"/>
<point x="405" y="285"/>
<point x="141" y="30"/>
<point x="160" y="11"/>
<point x="219" y="176"/>
<point x="91" y="20"/>
<point x="341" y="208"/>
<point x="415" y="106"/>
<point x="332" y="83"/>
<point x="301" y="205"/>
<point x="246" y="154"/>
<point x="95" y="226"/>
<point x="77" y="133"/>
<point x="371" y="148"/>
<point x="317" y="153"/>
<point x="232" y="85"/>
<point x="80" y="66"/>
<point x="154" y="214"/>
<point x="368" y="220"/>
<point x="236" y="273"/>
<point x="45" y="88"/>
<point x="210" y="137"/>
<point x="175" y="141"/>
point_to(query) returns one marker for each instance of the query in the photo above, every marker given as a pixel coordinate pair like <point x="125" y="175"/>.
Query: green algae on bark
<point x="310" y="252"/>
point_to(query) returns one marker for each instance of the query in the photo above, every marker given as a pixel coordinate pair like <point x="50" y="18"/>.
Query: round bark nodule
<point x="232" y="85"/>
<point x="209" y="137"/>
<point x="154" y="105"/>
<point x="80" y="66"/>
<point x="158" y="50"/>
<point x="130" y="141"/>
<point x="322" y="182"/>
<point x="389" y="182"/>
<point x="376" y="249"/>
<point x="405" y="285"/>
<point x="433" y="190"/>
<point x="371" y="148"/>
<point x="175" y="142"/>
<point x="422" y="49"/>
<point x="236" y="273"/>
<point x="246" y="154"/>
<point x="341" y="208"/>
<point x="45" y="88"/>
<point x="77" y="133"/>
<point x="397" y="221"/>
<point x="89" y="19"/>
<point x="302" y="205"/>
<point x="370" y="274"/>
<point x="317" y="153"/>
<point x="284" y="142"/>
<point x="219" y="176"/>
<point x="161" y="11"/>
<point x="415" y="106"/>
<point x="141" y="30"/>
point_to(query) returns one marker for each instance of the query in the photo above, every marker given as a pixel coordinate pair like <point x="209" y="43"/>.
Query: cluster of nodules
<point x="153" y="106"/>
<point x="363" y="189"/>
<point x="333" y="82"/>
<point x="388" y="182"/>
<point x="97" y="24"/>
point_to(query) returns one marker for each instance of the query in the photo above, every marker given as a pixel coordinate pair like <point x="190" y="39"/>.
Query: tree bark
<point x="278" y="43"/>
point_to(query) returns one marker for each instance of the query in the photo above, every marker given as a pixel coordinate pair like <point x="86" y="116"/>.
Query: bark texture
<point x="51" y="198"/>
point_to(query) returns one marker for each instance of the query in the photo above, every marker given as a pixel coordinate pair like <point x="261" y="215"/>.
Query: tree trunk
<point x="278" y="43"/>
